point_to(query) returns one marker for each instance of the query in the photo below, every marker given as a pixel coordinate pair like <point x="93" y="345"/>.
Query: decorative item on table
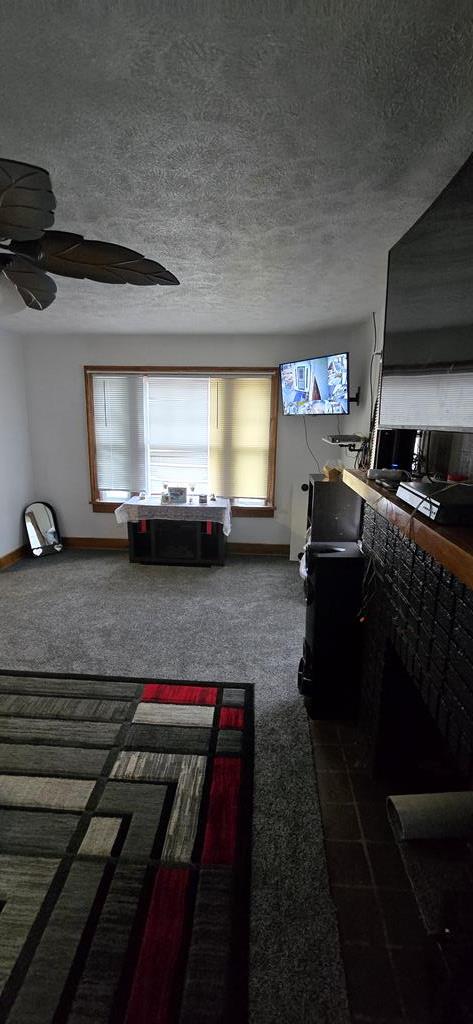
<point x="212" y="497"/>
<point x="142" y="496"/>
<point x="202" y="499"/>
<point x="177" y="495"/>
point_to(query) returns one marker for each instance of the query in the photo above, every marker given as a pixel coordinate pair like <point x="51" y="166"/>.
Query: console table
<point x="162" y="533"/>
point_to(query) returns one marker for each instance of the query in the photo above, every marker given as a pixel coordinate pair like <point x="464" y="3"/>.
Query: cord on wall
<point x="369" y="455"/>
<point x="317" y="463"/>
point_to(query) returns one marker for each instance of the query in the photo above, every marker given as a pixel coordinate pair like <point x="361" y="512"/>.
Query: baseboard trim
<point x="104" y="543"/>
<point x="121" y="544"/>
<point x="247" y="548"/>
<point x="13" y="556"/>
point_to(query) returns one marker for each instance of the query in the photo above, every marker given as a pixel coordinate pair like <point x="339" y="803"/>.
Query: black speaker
<point x="330" y="666"/>
<point x="333" y="510"/>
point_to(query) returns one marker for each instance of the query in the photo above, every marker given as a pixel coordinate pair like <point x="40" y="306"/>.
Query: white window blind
<point x="428" y="401"/>
<point x="177" y="431"/>
<point x="119" y="433"/>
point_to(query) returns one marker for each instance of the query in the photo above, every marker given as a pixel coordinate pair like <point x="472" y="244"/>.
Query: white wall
<point x="16" y="483"/>
<point x="55" y="390"/>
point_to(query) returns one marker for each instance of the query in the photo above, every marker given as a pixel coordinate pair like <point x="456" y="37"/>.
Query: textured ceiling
<point x="268" y="153"/>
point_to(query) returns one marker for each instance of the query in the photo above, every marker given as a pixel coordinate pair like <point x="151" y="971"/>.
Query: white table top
<point x="151" y="507"/>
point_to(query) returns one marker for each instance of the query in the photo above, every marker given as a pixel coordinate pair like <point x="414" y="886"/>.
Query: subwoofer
<point x="329" y="669"/>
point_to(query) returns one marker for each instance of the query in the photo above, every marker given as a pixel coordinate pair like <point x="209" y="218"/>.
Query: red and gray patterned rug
<point x="125" y="835"/>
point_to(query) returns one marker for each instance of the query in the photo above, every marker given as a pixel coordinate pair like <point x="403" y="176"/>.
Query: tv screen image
<point x="316" y="387"/>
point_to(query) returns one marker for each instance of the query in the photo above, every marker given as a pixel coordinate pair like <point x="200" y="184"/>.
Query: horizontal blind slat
<point x="119" y="431"/>
<point x="212" y="432"/>
<point x="240" y="414"/>
<point x="432" y="401"/>
<point x="178" y="431"/>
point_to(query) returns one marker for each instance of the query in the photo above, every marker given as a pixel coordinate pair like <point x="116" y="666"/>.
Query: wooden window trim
<point x="250" y="511"/>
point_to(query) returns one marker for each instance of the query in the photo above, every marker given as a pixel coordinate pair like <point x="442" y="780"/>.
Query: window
<point x="176" y="412"/>
<point x="211" y="429"/>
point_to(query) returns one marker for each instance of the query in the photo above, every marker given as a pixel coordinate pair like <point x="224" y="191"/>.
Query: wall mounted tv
<point x="427" y="378"/>
<point x="316" y="387"/>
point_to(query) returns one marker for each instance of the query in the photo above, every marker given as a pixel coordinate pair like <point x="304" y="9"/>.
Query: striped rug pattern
<point x="125" y="829"/>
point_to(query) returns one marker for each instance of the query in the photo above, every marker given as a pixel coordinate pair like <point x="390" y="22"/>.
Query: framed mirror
<point x="42" y="529"/>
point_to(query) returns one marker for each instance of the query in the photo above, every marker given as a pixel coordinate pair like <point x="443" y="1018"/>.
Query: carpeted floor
<point x="97" y="613"/>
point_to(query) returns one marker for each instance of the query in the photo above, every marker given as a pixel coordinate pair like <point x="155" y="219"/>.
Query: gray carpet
<point x="95" y="612"/>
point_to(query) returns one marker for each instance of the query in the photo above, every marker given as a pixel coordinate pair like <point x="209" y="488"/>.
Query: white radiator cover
<point x="298" y="524"/>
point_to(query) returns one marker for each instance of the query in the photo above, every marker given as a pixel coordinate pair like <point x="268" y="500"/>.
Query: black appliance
<point x="395" y="449"/>
<point x="449" y="504"/>
<point x="333" y="510"/>
<point x="329" y="670"/>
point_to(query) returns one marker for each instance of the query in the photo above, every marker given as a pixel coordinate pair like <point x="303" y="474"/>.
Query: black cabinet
<point x="329" y="668"/>
<point x="180" y="542"/>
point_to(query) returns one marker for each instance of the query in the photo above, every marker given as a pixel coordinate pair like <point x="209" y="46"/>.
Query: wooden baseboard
<point x="121" y="544"/>
<point x="13" y="556"/>
<point x="96" y="543"/>
<point x="247" y="548"/>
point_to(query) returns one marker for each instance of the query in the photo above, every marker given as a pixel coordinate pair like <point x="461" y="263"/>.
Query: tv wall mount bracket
<point x="356" y="398"/>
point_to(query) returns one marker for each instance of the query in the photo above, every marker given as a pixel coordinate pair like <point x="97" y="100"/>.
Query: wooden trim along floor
<point x="13" y="556"/>
<point x="248" y="548"/>
<point x="121" y="543"/>
<point x="99" y="543"/>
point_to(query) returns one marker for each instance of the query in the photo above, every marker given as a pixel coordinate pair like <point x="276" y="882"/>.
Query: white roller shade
<point x="119" y="440"/>
<point x="240" y="415"/>
<point x="178" y="431"/>
<point x="427" y="401"/>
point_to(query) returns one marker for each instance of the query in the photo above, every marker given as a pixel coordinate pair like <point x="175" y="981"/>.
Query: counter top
<point x="452" y="546"/>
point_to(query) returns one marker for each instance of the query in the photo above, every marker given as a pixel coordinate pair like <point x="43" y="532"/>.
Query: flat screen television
<point x="427" y="379"/>
<point x="316" y="387"/>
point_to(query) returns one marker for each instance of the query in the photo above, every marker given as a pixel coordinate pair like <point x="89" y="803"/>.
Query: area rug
<point x="125" y="828"/>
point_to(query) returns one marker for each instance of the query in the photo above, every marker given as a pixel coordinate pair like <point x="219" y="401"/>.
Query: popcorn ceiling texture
<point x="269" y="153"/>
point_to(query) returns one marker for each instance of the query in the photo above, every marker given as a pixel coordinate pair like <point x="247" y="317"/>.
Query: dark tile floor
<point x="386" y="954"/>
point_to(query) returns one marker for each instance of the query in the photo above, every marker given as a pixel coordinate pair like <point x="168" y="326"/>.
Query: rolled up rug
<point x="431" y="815"/>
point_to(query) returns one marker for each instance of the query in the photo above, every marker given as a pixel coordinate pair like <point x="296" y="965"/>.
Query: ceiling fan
<point x="27" y="203"/>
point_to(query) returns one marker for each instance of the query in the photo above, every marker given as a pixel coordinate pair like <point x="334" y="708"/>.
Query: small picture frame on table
<point x="177" y="495"/>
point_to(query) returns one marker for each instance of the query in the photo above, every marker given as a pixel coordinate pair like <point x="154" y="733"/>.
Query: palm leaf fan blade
<point x="37" y="290"/>
<point x="71" y="255"/>
<point x="27" y="200"/>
